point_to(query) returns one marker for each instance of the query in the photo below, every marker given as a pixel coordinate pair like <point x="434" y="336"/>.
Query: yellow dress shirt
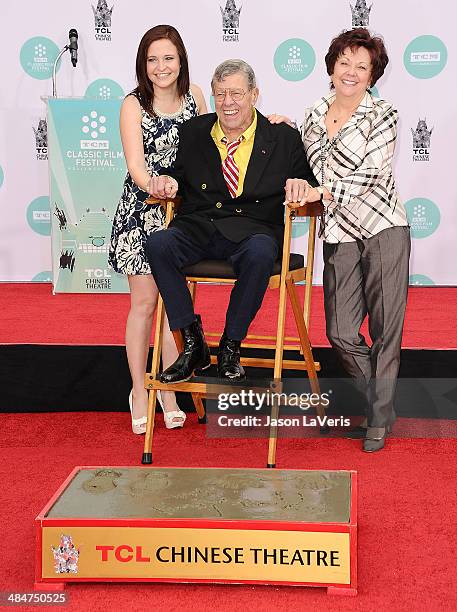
<point x="242" y="154"/>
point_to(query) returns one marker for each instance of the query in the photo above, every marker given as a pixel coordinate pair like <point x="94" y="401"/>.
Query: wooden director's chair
<point x="285" y="275"/>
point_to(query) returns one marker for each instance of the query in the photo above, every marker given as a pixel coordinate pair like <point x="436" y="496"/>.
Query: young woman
<point x="149" y="122"/>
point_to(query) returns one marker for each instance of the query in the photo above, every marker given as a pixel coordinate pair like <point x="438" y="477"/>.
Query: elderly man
<point x="234" y="170"/>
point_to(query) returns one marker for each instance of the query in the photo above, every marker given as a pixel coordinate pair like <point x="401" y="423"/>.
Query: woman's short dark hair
<point x="359" y="37"/>
<point x="145" y="90"/>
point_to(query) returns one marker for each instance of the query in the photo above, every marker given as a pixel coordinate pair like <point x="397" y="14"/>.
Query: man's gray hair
<point x="232" y="66"/>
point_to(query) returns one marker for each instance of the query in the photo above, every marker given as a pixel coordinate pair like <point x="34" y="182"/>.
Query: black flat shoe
<point x="228" y="359"/>
<point x="195" y="356"/>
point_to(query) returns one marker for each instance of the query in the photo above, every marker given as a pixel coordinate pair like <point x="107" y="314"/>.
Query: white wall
<point x="263" y="26"/>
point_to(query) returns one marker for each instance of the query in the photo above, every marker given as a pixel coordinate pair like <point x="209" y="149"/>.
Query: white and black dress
<point x="134" y="220"/>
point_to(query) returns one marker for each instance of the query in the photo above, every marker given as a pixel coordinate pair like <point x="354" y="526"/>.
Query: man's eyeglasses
<point x="236" y="94"/>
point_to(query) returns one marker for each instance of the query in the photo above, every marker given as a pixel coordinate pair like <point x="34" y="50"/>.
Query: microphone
<point x="73" y="46"/>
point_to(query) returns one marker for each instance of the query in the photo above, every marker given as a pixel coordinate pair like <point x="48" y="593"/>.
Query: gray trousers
<point x="369" y="277"/>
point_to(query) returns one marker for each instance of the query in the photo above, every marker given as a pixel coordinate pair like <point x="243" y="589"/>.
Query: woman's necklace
<point x="169" y="115"/>
<point x="342" y="116"/>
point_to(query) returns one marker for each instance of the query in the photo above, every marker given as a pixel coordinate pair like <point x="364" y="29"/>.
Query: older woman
<point x="349" y="137"/>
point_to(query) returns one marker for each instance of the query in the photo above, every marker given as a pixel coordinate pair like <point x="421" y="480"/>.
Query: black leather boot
<point x="228" y="359"/>
<point x="195" y="356"/>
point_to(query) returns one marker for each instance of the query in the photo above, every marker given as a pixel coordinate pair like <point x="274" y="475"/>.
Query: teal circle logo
<point x="423" y="216"/>
<point x="39" y="216"/>
<point x="1" y="176"/>
<point x="294" y="59"/>
<point x="419" y="280"/>
<point x="37" y="56"/>
<point x="425" y="57"/>
<point x="106" y="89"/>
<point x="374" y="91"/>
<point x="43" y="277"/>
<point x="212" y="104"/>
<point x="300" y="227"/>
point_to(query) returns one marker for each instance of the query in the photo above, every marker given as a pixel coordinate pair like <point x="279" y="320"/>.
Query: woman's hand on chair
<point x="312" y="196"/>
<point x="162" y="186"/>
<point x="296" y="192"/>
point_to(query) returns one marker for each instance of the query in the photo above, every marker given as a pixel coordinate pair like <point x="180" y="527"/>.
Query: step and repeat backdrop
<point x="285" y="42"/>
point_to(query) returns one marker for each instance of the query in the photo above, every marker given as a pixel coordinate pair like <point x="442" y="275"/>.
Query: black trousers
<point x="171" y="250"/>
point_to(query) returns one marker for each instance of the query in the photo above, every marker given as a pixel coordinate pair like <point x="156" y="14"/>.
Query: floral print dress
<point x="134" y="220"/>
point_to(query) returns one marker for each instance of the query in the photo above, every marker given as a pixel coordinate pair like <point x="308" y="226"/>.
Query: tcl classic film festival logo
<point x="93" y="125"/>
<point x="39" y="216"/>
<point x="420" y="280"/>
<point x="42" y="277"/>
<point x="424" y="217"/>
<point x="37" y="57"/>
<point x="41" y="139"/>
<point x="294" y="59"/>
<point x="360" y="14"/>
<point x="86" y="139"/>
<point x="421" y="141"/>
<point x="104" y="89"/>
<point x="94" y="146"/>
<point x="425" y="57"/>
<point x="230" y="22"/>
<point x="102" y="17"/>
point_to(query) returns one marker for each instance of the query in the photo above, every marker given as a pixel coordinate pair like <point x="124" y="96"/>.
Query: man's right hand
<point x="162" y="187"/>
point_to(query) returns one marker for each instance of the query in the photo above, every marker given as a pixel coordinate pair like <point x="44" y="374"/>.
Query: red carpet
<point x="32" y="315"/>
<point x="407" y="512"/>
<point x="407" y="493"/>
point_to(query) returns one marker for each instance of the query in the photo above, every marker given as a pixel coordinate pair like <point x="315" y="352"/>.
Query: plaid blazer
<point x="356" y="168"/>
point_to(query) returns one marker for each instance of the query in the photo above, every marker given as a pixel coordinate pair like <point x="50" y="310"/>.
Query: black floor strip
<point x="48" y="378"/>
